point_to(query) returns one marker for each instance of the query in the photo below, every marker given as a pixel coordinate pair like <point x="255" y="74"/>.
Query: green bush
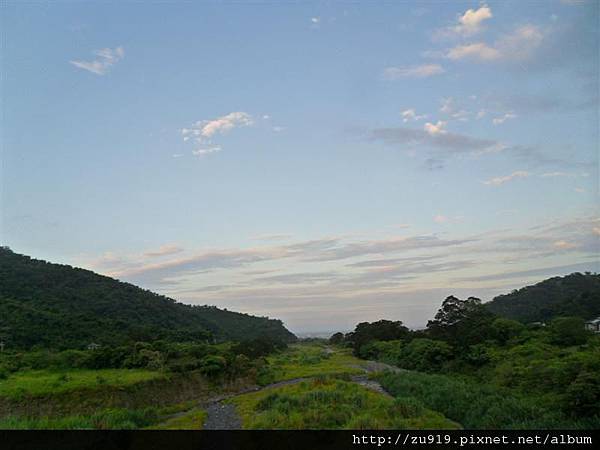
<point x="583" y="395"/>
<point x="424" y="354"/>
<point x="212" y="365"/>
<point x="568" y="331"/>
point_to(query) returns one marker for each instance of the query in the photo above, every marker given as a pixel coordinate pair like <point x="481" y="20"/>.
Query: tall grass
<point x="326" y="403"/>
<point x="308" y="360"/>
<point x="122" y="419"/>
<point x="481" y="406"/>
<point x="42" y="382"/>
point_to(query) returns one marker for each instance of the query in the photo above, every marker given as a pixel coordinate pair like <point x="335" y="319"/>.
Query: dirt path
<point x="223" y="416"/>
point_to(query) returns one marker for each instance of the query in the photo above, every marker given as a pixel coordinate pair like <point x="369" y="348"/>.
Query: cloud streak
<point x="106" y="58"/>
<point x="497" y="181"/>
<point x="421" y="71"/>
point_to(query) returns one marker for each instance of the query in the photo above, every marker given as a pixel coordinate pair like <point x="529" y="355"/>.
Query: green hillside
<point x="572" y="295"/>
<point x="59" y="306"/>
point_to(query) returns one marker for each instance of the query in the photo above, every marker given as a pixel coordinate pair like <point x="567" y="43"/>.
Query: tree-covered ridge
<point x="573" y="295"/>
<point x="59" y="306"/>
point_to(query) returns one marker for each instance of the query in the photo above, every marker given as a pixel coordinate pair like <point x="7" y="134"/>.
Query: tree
<point x="568" y="331"/>
<point x="505" y="329"/>
<point x="336" y="339"/>
<point x="382" y="330"/>
<point x="427" y="355"/>
<point x="461" y="322"/>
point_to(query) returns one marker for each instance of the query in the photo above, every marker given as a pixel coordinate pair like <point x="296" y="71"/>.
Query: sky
<point x="325" y="163"/>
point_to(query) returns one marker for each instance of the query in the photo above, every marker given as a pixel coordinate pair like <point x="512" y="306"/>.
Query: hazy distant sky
<point x="321" y="162"/>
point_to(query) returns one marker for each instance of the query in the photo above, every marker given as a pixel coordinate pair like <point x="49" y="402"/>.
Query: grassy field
<point x="327" y="403"/>
<point x="42" y="382"/>
<point x="119" y="419"/>
<point x="309" y="360"/>
<point x="191" y="420"/>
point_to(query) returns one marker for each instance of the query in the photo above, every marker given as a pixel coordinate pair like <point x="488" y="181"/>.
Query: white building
<point x="593" y="325"/>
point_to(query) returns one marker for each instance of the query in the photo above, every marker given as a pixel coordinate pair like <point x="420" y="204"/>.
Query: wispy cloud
<point x="497" y="181"/>
<point x="442" y="219"/>
<point x="271" y="237"/>
<point x="563" y="174"/>
<point x="503" y="118"/>
<point x="106" y="58"/>
<point x="450" y="108"/>
<point x="206" y="129"/>
<point x="433" y="136"/>
<point x="516" y="46"/>
<point x="410" y="114"/>
<point x="422" y="71"/>
<point x="203" y="151"/>
<point x="164" y="251"/>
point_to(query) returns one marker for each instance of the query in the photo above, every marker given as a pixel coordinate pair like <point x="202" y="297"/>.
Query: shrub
<point x="212" y="365"/>
<point x="568" y="331"/>
<point x="424" y="354"/>
<point x="583" y="395"/>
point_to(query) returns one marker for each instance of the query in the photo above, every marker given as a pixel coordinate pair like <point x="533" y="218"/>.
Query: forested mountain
<point x="59" y="306"/>
<point x="572" y="295"/>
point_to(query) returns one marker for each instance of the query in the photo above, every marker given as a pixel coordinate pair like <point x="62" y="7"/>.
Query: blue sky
<point x="325" y="162"/>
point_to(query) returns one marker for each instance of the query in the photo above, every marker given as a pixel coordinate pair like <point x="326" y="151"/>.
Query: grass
<point x="309" y="360"/>
<point x="120" y="419"/>
<point x="481" y="406"/>
<point x="192" y="420"/>
<point x="327" y="403"/>
<point x="43" y="382"/>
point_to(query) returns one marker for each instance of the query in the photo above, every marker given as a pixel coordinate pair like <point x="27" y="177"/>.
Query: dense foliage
<point x="573" y="295"/>
<point x="58" y="306"/>
<point x="222" y="361"/>
<point x="383" y="330"/>
<point x="477" y="405"/>
<point x="493" y="372"/>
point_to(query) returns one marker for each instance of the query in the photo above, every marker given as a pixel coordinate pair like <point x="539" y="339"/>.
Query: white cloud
<point x="315" y="20"/>
<point x="469" y="23"/>
<point x="410" y="114"/>
<point x="421" y="71"/>
<point x="106" y="59"/>
<point x="434" y="129"/>
<point x="471" y="20"/>
<point x="478" y="51"/>
<point x="203" y="130"/>
<point x="220" y="125"/>
<point x="497" y="181"/>
<point x="504" y="118"/>
<point x="521" y="43"/>
<point x="516" y="46"/>
<point x="206" y="150"/>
